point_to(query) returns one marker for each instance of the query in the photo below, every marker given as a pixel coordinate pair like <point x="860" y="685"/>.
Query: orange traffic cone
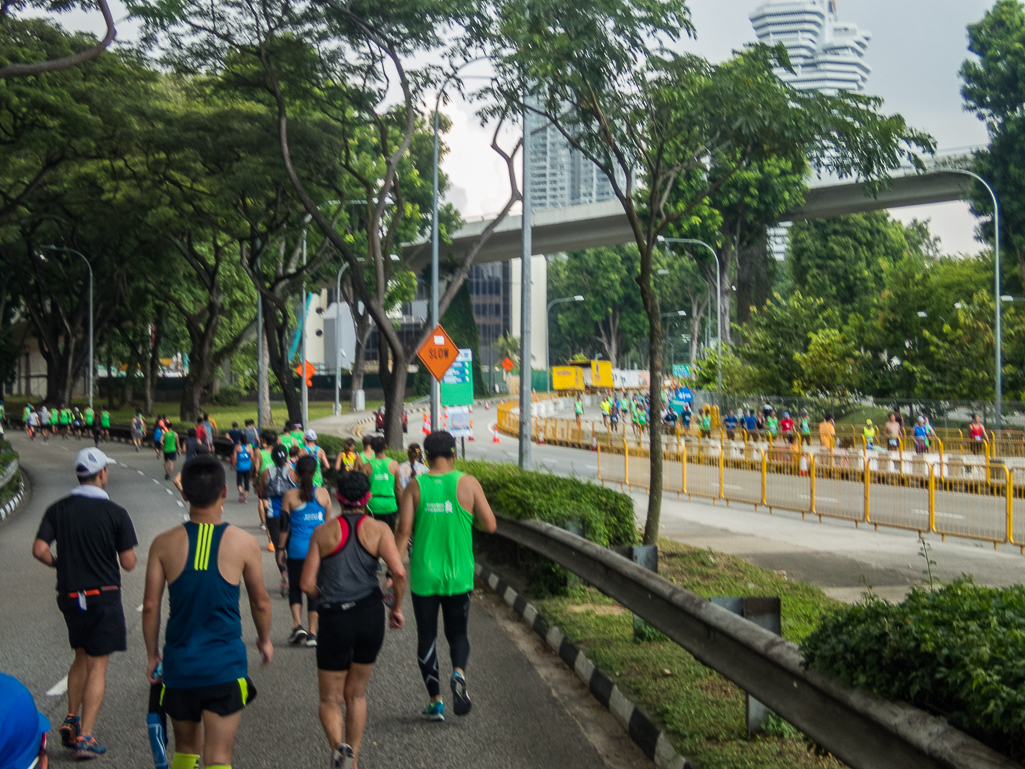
<point x="486" y="406"/>
<point x="471" y="431"/>
<point x="804" y="464"/>
<point x="494" y="435"/>
<point x="594" y="441"/>
<point x="426" y="429"/>
<point x="541" y="436"/>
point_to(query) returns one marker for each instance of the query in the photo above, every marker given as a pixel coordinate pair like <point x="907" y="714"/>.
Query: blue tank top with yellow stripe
<point x="203" y="641"/>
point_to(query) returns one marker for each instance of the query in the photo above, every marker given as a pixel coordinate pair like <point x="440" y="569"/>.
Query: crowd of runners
<point x="353" y="552"/>
<point x="66" y="422"/>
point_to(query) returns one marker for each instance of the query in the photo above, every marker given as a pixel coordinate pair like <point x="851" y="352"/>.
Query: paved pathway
<point x="527" y="713"/>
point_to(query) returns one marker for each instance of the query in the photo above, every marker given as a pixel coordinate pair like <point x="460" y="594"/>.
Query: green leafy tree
<point x="656" y="124"/>
<point x="829" y="367"/>
<point x="610" y="315"/>
<point x="994" y="90"/>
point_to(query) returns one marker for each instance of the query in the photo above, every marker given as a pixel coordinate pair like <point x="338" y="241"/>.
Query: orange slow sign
<point x="507" y="364"/>
<point x="438" y="353"/>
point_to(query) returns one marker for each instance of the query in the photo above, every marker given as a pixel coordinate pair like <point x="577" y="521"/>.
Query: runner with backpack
<point x="277" y="478"/>
<point x="242" y="461"/>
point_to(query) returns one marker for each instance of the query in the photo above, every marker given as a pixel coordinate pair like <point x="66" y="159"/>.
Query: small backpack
<point x="279" y="482"/>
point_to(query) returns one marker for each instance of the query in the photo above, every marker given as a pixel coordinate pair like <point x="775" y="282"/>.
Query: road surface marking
<point x="940" y="515"/>
<point x="155" y="481"/>
<point x="139" y="608"/>
<point x="140" y="472"/>
<point x="169" y="492"/>
<point x="180" y="504"/>
<point x="59" y="688"/>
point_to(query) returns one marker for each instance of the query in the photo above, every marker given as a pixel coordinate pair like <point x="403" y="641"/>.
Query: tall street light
<point x="996" y="280"/>
<point x="435" y="319"/>
<point x="718" y="299"/>
<point x="91" y="341"/>
<point x="548" y="334"/>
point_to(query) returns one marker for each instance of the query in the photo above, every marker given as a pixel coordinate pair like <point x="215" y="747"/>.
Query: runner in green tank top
<point x="171" y="449"/>
<point x="384" y="484"/>
<point x="440" y="509"/>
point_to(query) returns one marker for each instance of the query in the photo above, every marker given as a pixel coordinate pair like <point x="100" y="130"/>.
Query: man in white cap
<point x="95" y="539"/>
<point x="319" y="454"/>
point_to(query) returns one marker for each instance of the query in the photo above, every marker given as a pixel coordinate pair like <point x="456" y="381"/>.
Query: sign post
<point x="457" y="384"/>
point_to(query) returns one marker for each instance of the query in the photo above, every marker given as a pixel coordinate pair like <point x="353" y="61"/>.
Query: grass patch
<point x="702" y="712"/>
<point x="862" y="413"/>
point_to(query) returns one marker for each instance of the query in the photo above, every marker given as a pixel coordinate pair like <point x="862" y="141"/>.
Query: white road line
<point x="940" y="515"/>
<point x="169" y="492"/>
<point x="140" y="472"/>
<point x="58" y="688"/>
<point x="139" y="608"/>
<point x="155" y="481"/>
<point x="180" y="504"/>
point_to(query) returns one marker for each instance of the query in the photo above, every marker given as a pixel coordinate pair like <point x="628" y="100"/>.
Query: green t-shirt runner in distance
<point x="442" y="559"/>
<point x="382" y="487"/>
<point x="170" y="442"/>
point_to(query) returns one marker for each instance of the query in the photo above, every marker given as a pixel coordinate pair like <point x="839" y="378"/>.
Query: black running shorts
<point x="100" y="628"/>
<point x="170" y="456"/>
<point x="219" y="699"/>
<point x="242" y="479"/>
<point x="350" y="635"/>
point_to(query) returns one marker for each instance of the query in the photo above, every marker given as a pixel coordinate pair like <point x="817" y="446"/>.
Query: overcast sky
<point x="916" y="50"/>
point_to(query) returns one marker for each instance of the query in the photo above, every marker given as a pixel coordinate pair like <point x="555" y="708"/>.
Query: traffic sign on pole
<point x="438" y="353"/>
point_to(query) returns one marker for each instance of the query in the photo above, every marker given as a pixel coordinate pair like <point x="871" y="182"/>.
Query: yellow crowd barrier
<point x="963" y="494"/>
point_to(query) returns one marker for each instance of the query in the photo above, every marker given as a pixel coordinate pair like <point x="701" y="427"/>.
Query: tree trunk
<point x="276" y="329"/>
<point x="152" y="367"/>
<point x="394" y="398"/>
<point x="263" y="393"/>
<point x="359" y="360"/>
<point x="753" y="287"/>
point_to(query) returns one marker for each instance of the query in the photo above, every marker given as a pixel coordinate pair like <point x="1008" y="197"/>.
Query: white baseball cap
<point x="311" y="434"/>
<point x="90" y="461"/>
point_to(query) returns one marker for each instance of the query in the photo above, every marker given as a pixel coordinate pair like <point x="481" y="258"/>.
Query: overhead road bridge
<point x="575" y="228"/>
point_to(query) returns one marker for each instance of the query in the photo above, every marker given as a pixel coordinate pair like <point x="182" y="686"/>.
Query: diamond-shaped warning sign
<point x="507" y="364"/>
<point x="438" y="353"/>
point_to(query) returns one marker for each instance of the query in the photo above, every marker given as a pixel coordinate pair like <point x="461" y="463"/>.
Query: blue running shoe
<point x="435" y="711"/>
<point x="462" y="703"/>
<point x="88" y="748"/>
<point x="70" y="731"/>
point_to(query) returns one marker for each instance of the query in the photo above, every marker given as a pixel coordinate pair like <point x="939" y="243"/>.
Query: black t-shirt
<point x="235" y="435"/>
<point x="89" y="533"/>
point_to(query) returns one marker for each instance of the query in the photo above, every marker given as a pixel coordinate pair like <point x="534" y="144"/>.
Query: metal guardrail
<point x="859" y="729"/>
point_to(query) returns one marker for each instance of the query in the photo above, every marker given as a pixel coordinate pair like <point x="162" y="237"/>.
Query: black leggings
<point x="242" y="479"/>
<point x="455" y="610"/>
<point x="274" y="530"/>
<point x="295" y="593"/>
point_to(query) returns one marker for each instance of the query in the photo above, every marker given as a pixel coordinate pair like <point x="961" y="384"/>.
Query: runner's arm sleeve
<point x="47" y="531"/>
<point x="125" y="535"/>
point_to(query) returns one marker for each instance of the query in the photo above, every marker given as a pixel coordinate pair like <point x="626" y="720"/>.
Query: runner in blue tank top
<point x="203" y="562"/>
<point x="302" y="510"/>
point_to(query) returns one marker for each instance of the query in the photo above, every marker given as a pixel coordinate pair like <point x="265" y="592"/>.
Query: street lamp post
<point x="548" y="334"/>
<point x="718" y="299"/>
<point x="435" y="319"/>
<point x="91" y="340"/>
<point x="996" y="280"/>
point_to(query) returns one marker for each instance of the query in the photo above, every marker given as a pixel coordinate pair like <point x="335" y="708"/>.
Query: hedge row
<point x="956" y="652"/>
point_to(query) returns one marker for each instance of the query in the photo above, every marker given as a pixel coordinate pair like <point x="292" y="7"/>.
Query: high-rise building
<point x="559" y="175"/>
<point x="827" y="55"/>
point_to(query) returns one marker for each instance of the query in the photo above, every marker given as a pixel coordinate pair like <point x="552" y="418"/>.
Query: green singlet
<point x="297" y="437"/>
<point x="772" y="425"/>
<point x="265" y="461"/>
<point x="89" y="416"/>
<point x="105" y="419"/>
<point x="287" y="441"/>
<point x="170" y="442"/>
<point x="706" y="422"/>
<point x="442" y="559"/>
<point x="65" y="417"/>
<point x="314" y="451"/>
<point x="382" y="486"/>
<point x="805" y="427"/>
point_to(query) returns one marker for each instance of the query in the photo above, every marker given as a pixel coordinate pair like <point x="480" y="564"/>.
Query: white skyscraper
<point x="827" y="55"/>
<point x="559" y="175"/>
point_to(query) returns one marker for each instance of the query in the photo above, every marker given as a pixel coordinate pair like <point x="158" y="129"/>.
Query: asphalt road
<point x="520" y="717"/>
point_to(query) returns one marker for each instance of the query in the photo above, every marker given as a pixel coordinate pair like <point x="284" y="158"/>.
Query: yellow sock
<point x="185" y="761"/>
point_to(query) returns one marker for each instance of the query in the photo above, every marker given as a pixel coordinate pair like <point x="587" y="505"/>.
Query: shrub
<point x="228" y="395"/>
<point x="608" y="516"/>
<point x="955" y="653"/>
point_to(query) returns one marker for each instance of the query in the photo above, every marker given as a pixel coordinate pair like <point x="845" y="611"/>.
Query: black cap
<point x="279" y="455"/>
<point x="439" y="444"/>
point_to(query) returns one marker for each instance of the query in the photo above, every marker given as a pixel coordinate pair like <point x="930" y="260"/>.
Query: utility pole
<point x="525" y="290"/>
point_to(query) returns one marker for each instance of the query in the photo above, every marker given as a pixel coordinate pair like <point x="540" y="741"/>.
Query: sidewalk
<point x="834" y="555"/>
